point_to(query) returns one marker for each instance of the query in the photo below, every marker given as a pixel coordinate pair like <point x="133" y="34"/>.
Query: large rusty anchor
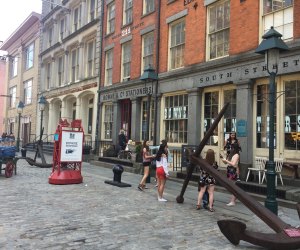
<point x="233" y="230"/>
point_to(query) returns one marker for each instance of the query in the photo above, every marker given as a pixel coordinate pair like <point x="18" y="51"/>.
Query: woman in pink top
<point x="147" y="158"/>
<point x="162" y="172"/>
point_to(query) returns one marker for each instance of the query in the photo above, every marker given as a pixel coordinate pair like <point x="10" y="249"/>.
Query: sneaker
<point x="156" y="185"/>
<point x="145" y="187"/>
<point x="140" y="187"/>
<point x="161" y="199"/>
<point x="231" y="204"/>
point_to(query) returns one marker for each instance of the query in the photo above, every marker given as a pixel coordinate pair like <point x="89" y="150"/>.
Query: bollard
<point x="118" y="170"/>
<point x="23" y="152"/>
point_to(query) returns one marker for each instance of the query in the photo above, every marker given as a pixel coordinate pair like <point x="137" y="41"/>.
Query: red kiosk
<point x="67" y="154"/>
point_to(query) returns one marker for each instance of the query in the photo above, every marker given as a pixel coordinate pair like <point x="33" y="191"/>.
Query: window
<point x="48" y="75"/>
<point x="50" y="36"/>
<point x="74" y="65"/>
<point x="126" y="61"/>
<point x="177" y="44"/>
<point x="77" y="18"/>
<point x="218" y="29"/>
<point x="29" y="51"/>
<point x="90" y="115"/>
<point x="90" y="58"/>
<point x="176" y="118"/>
<point x="108" y="67"/>
<point x="211" y="104"/>
<point x="230" y="114"/>
<point x="262" y="117"/>
<point x="111" y="15"/>
<point x="148" y="6"/>
<point x="278" y="14"/>
<point x="292" y="115"/>
<point x="62" y="29"/>
<point x="108" y="121"/>
<point x="92" y="10"/>
<point x="14" y="67"/>
<point x="60" y="70"/>
<point x="127" y="15"/>
<point x="28" y="92"/>
<point x="148" y="46"/>
<point x="74" y="111"/>
<point x="13" y="94"/>
<point x="144" y="120"/>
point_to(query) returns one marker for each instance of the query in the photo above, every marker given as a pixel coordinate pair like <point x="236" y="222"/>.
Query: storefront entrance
<point x="126" y="117"/>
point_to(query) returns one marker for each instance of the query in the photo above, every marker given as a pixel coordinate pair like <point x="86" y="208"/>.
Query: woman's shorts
<point x="146" y="163"/>
<point x="160" y="173"/>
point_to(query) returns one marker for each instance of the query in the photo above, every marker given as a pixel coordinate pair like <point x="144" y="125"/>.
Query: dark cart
<point x="8" y="159"/>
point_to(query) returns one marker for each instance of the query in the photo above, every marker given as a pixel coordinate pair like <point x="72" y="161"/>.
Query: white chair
<point x="259" y="167"/>
<point x="278" y="168"/>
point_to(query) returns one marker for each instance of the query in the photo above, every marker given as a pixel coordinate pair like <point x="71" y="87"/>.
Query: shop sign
<point x="241" y="128"/>
<point x="250" y="71"/>
<point x="71" y="146"/>
<point x="127" y="93"/>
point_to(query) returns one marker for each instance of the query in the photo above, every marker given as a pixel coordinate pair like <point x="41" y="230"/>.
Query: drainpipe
<point x="97" y="133"/>
<point x="157" y="70"/>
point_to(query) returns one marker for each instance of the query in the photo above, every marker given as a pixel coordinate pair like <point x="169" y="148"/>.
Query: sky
<point x="14" y="13"/>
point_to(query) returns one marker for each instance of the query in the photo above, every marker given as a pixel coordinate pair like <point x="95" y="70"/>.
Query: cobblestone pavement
<point x="95" y="215"/>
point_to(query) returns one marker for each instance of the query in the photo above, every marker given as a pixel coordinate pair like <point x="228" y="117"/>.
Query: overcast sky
<point x="14" y="13"/>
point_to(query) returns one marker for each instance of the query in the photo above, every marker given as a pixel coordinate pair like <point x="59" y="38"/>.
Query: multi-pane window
<point x="48" y="75"/>
<point x="211" y="105"/>
<point x="262" y="117"/>
<point x="176" y="118"/>
<point x="145" y="119"/>
<point x="50" y="36"/>
<point x="148" y="46"/>
<point x="278" y="14"/>
<point x="13" y="96"/>
<point x="177" y="44"/>
<point x="111" y="17"/>
<point x="108" y="67"/>
<point x="62" y="29"/>
<point x="108" y="121"/>
<point x="28" y="92"/>
<point x="74" y="65"/>
<point x="92" y="9"/>
<point x="126" y="61"/>
<point x="292" y="115"/>
<point x="230" y="114"/>
<point x="127" y="15"/>
<point x="90" y="58"/>
<point x="218" y="29"/>
<point x="90" y="115"/>
<point x="77" y="18"/>
<point x="148" y="6"/>
<point x="29" y="53"/>
<point x="14" y="67"/>
<point x="60" y="70"/>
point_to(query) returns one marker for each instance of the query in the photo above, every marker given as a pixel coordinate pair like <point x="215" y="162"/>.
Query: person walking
<point x="207" y="182"/>
<point x="162" y="172"/>
<point x="228" y="145"/>
<point x="147" y="158"/>
<point x="233" y="161"/>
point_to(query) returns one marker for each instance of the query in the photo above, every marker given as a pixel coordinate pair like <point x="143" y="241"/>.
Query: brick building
<point x="204" y="54"/>
<point x="22" y="49"/>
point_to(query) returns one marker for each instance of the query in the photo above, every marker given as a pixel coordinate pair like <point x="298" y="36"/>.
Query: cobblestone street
<point x="95" y="215"/>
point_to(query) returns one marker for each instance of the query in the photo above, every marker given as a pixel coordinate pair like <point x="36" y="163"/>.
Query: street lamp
<point x="42" y="103"/>
<point x="19" y="110"/>
<point x="270" y="47"/>
<point x="149" y="75"/>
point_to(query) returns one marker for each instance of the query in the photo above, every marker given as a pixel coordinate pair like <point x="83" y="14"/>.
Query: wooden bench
<point x="293" y="164"/>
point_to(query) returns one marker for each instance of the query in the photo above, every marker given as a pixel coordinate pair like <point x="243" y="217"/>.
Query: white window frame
<point x="147" y="50"/>
<point x="14" y="67"/>
<point x="109" y="55"/>
<point x="148" y="6"/>
<point x="176" y="46"/>
<point x="92" y="10"/>
<point x="27" y="92"/>
<point x="60" y="70"/>
<point x="74" y="65"/>
<point x="48" y="75"/>
<point x="76" y="20"/>
<point x="108" y="114"/>
<point x="50" y="36"/>
<point x="29" y="56"/>
<point x="126" y="61"/>
<point x="111" y="18"/>
<point x="90" y="57"/>
<point x="62" y="28"/>
<point x="13" y="98"/>
<point x="127" y="12"/>
<point x="220" y="33"/>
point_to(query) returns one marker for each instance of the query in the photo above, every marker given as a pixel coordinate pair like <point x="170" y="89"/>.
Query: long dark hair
<point x="235" y="149"/>
<point x="145" y="145"/>
<point x="161" y="151"/>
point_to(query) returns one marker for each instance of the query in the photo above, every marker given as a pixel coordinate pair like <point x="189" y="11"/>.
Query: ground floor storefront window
<point x="108" y="121"/>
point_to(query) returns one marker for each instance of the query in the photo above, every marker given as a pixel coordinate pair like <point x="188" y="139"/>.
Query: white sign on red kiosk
<point x="67" y="153"/>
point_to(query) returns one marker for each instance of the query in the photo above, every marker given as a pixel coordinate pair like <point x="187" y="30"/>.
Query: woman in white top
<point x="233" y="161"/>
<point x="161" y="170"/>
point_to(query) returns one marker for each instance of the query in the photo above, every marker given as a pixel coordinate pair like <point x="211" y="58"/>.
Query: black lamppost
<point x="270" y="47"/>
<point x="42" y="103"/>
<point x="149" y="75"/>
<point x="19" y="110"/>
